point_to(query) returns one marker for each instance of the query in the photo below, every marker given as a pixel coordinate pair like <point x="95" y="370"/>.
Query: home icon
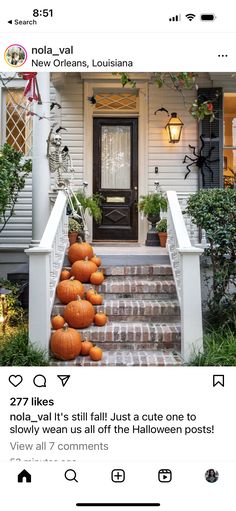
<point x="24" y="477"/>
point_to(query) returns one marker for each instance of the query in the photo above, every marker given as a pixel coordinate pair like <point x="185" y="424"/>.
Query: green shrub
<point x="15" y="350"/>
<point x="219" y="349"/>
<point x="13" y="171"/>
<point x="15" y="311"/>
<point x="215" y="211"/>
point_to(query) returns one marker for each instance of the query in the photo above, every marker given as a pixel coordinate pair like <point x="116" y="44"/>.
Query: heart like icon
<point x="15" y="379"/>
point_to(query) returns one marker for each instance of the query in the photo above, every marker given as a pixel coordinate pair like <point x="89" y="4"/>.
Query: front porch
<point x="146" y="288"/>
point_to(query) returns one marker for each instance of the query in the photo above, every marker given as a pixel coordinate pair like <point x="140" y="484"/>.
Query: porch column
<point x="40" y="170"/>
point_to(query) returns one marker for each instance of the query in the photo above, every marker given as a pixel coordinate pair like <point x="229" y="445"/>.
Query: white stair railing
<point x="185" y="261"/>
<point x="45" y="263"/>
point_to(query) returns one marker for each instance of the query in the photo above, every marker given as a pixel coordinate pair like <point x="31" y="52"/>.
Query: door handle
<point x="135" y="193"/>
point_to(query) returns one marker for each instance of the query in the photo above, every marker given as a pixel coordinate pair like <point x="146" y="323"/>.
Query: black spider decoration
<point x="200" y="161"/>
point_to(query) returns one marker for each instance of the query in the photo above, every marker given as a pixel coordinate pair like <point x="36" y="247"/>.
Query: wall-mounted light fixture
<point x="174" y="128"/>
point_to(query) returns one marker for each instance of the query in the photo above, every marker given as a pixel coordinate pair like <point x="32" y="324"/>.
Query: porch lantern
<point x="174" y="127"/>
<point x="4" y="307"/>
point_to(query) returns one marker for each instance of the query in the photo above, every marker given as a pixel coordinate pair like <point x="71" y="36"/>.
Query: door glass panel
<point x="230" y="119"/>
<point x="229" y="168"/>
<point x="115" y="154"/>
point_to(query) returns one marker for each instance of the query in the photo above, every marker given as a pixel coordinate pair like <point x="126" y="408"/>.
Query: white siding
<point x="169" y="157"/>
<point x="72" y="118"/>
<point x="18" y="231"/>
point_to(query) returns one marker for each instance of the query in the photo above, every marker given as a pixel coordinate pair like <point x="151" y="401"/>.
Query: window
<point x="18" y="123"/>
<point x="229" y="140"/>
<point x="119" y="102"/>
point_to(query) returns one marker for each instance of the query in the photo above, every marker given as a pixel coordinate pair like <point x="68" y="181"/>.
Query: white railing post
<point x="185" y="262"/>
<point x="191" y="310"/>
<point x="39" y="296"/>
<point x="45" y="263"/>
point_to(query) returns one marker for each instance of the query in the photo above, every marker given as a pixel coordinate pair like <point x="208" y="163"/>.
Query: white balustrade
<point x="185" y="261"/>
<point x="45" y="263"/>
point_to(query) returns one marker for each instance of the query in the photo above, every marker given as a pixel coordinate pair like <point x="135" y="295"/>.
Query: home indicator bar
<point x="123" y="504"/>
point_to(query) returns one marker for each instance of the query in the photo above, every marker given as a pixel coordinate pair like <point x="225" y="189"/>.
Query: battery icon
<point x="208" y="17"/>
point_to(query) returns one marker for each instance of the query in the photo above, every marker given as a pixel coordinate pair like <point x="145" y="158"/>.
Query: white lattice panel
<point x="122" y="102"/>
<point x="18" y="121"/>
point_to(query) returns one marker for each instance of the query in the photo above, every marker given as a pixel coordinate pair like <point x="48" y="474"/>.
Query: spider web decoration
<point x="200" y="161"/>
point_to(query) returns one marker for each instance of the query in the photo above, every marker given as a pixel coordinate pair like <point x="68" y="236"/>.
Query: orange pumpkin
<point x="57" y="322"/>
<point x="89" y="293"/>
<point x="65" y="274"/>
<point x="97" y="278"/>
<point x="100" y="319"/>
<point x="97" y="260"/>
<point x="95" y="353"/>
<point x="95" y="298"/>
<point x="78" y="251"/>
<point x="86" y="347"/>
<point x="66" y="343"/>
<point x="68" y="290"/>
<point x="79" y="313"/>
<point x="82" y="270"/>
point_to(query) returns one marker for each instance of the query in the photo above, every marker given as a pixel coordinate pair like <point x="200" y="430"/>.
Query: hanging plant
<point x="201" y="110"/>
<point x="179" y="82"/>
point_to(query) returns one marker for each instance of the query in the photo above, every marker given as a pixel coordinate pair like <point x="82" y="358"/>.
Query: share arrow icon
<point x="64" y="378"/>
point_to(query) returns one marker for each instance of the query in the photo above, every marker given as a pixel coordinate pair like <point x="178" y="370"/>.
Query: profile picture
<point x="15" y="55"/>
<point x="211" y="475"/>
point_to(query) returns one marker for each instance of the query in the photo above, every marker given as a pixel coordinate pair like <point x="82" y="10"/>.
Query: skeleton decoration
<point x="59" y="159"/>
<point x="200" y="161"/>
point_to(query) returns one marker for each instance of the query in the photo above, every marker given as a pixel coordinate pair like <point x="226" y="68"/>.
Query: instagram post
<point x="117" y="257"/>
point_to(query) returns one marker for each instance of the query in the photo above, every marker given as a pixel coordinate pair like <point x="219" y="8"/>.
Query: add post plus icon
<point x="118" y="475"/>
<point x="165" y="475"/>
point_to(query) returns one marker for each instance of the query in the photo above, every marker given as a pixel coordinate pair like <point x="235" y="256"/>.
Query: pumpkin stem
<point x="65" y="326"/>
<point x="78" y="298"/>
<point x="72" y="278"/>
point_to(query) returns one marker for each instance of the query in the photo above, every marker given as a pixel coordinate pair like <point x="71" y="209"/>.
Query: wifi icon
<point x="190" y="17"/>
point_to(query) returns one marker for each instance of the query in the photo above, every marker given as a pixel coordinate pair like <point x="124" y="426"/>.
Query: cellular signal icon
<point x="175" y="18"/>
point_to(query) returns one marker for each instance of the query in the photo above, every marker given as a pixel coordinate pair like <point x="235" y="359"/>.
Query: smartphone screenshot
<point x="117" y="256"/>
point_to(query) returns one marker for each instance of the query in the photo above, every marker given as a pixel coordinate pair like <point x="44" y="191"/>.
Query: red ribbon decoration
<point x="31" y="89"/>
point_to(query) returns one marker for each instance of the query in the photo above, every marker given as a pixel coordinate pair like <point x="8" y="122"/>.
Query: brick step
<point x="127" y="357"/>
<point x="129" y="259"/>
<point x="135" y="310"/>
<point x="163" y="272"/>
<point x="138" y="285"/>
<point x="160" y="270"/>
<point x="140" y="296"/>
<point x="161" y="335"/>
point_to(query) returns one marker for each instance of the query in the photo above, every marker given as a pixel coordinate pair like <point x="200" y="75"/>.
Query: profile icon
<point x="211" y="475"/>
<point x="15" y="55"/>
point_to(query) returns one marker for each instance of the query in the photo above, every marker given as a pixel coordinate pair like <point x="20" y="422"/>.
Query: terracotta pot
<point x="162" y="237"/>
<point x="72" y="237"/>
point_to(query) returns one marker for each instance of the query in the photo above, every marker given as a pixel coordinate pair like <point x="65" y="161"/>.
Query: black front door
<point x="115" y="177"/>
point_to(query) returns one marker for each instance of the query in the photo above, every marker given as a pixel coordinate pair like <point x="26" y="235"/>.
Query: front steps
<point x="144" y="317"/>
<point x="121" y="358"/>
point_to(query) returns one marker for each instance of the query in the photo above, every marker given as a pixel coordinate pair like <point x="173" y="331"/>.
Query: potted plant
<point x="91" y="204"/>
<point x="151" y="205"/>
<point x="74" y="228"/>
<point x="161" y="229"/>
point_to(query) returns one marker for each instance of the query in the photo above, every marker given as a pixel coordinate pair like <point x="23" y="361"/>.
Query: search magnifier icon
<point x="70" y="475"/>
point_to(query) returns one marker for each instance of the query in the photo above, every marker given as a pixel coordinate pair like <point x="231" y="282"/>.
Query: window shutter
<point x="212" y="133"/>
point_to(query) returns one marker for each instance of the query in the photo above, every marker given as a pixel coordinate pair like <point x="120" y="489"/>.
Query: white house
<point x="125" y="115"/>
